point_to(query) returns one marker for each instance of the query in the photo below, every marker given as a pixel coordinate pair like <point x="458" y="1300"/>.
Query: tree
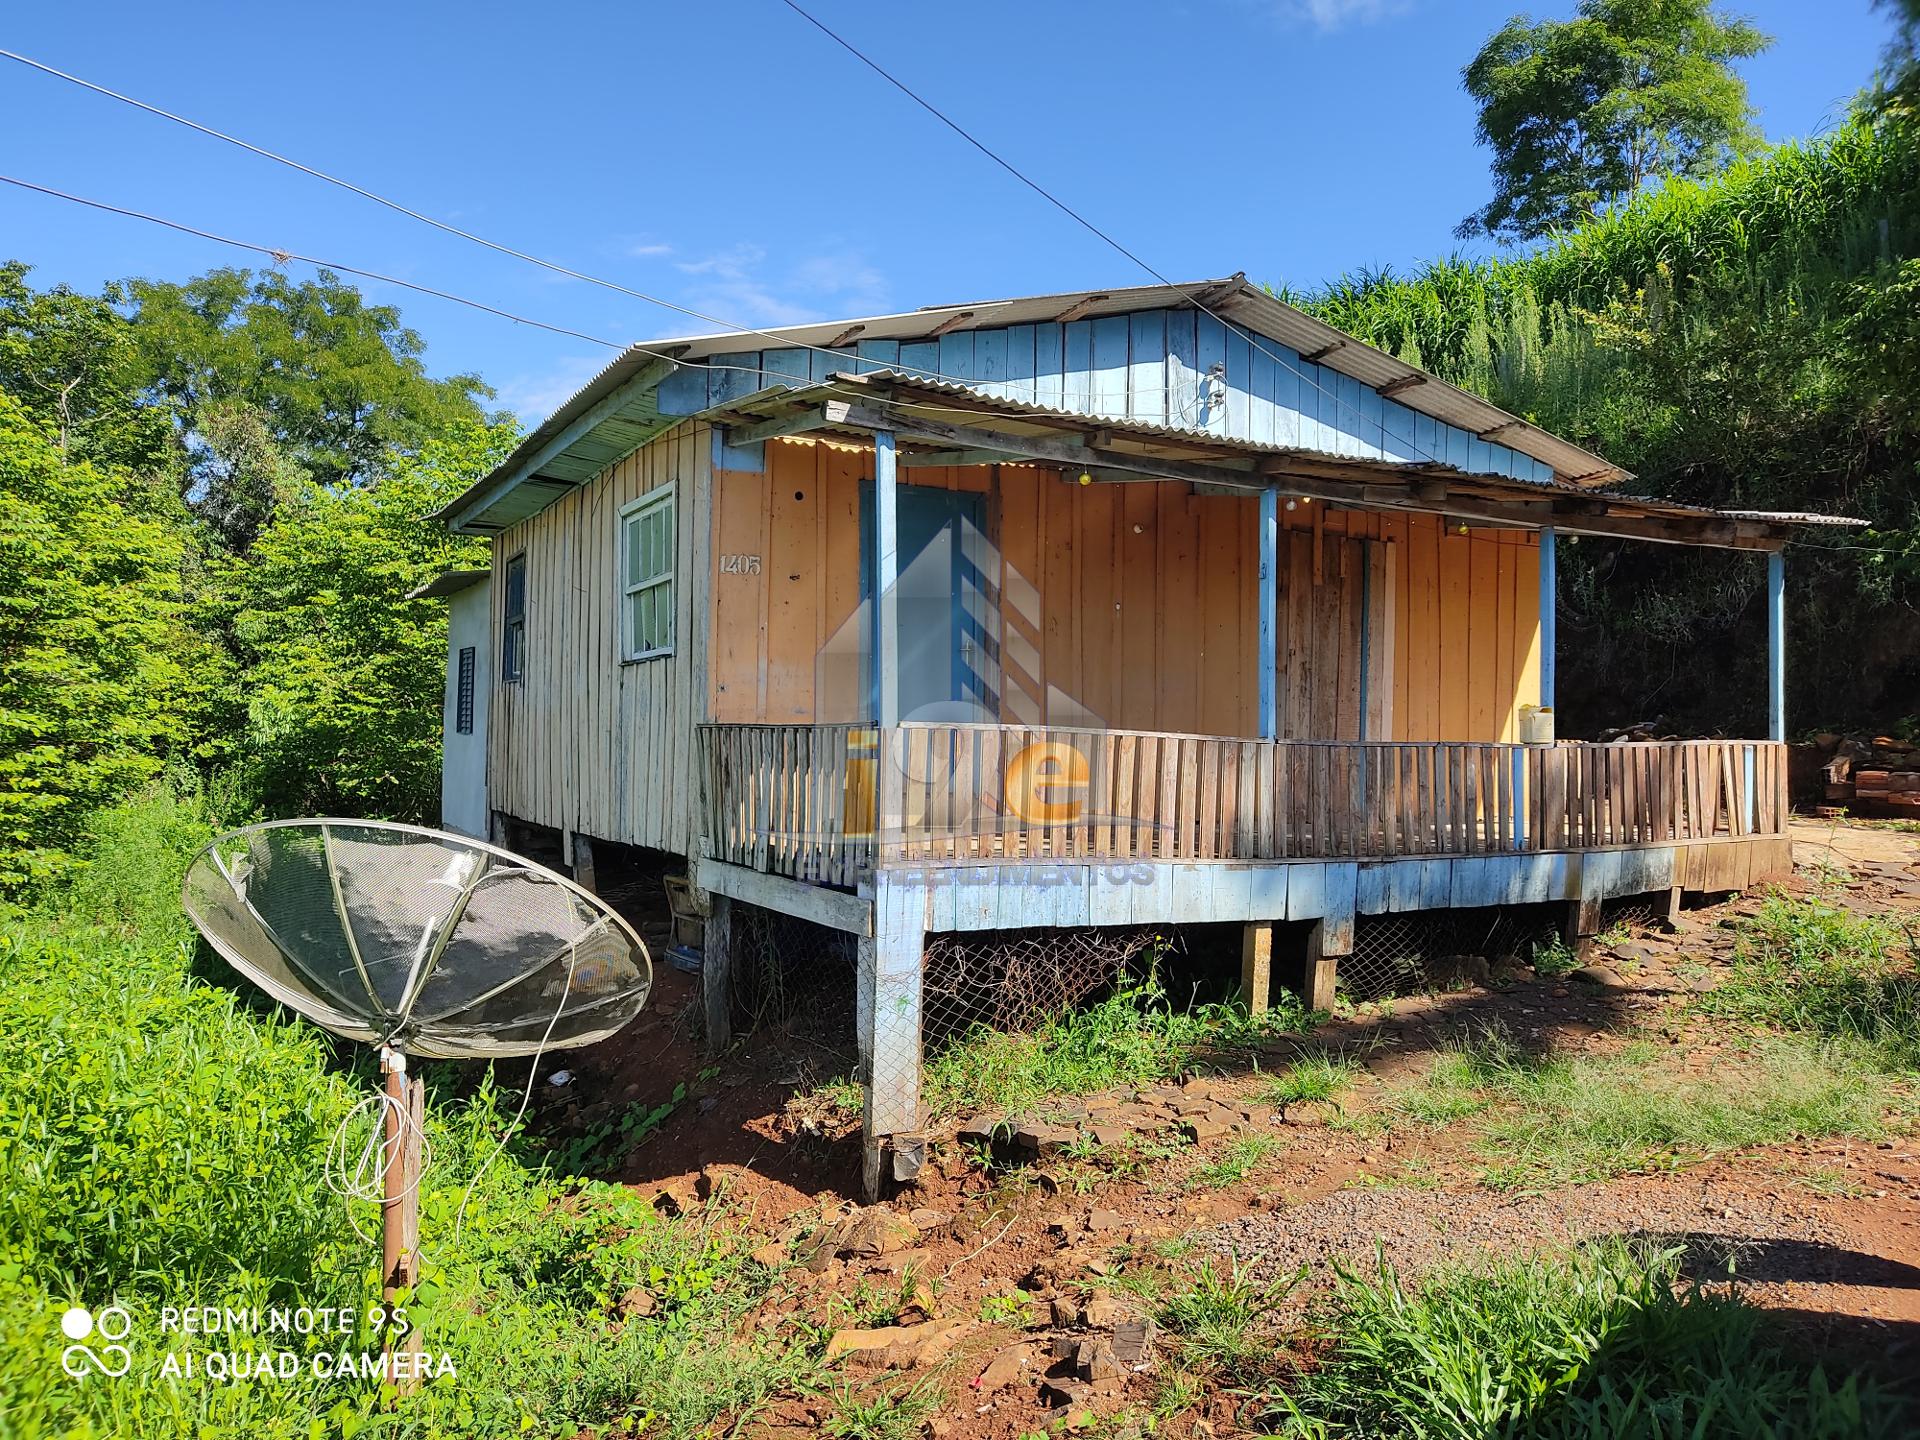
<point x="1581" y="114"/>
<point x="337" y="383"/>
<point x="67" y="359"/>
<point x="89" y="645"/>
<point x="341" y="673"/>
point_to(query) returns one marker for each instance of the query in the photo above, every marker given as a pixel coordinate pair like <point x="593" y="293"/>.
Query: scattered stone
<point x="924" y="1219"/>
<point x="1603" y="976"/>
<point x="1101" y="1220"/>
<point x="1043" y="1141"/>
<point x="1109" y="1136"/>
<point x="1103" y="1312"/>
<point x="772" y="1256"/>
<point x="1256" y="1114"/>
<point x="1202" y="1127"/>
<point x="637" y="1303"/>
<point x="1096" y="1362"/>
<point x="1063" y="1392"/>
<point x="1004" y="1369"/>
<point x="1132" y="1341"/>
<point x="875" y="1230"/>
<point x="1310" y="1112"/>
<point x="979" y="1130"/>
<point x="896" y="1347"/>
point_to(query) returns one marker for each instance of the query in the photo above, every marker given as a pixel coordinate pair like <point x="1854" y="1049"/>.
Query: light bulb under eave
<point x="1085" y="478"/>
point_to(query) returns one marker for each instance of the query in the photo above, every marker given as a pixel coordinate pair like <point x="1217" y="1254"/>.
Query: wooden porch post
<point x="1256" y="967"/>
<point x="1776" y="645"/>
<point x="1549" y="616"/>
<point x="1269" y="606"/>
<point x="886" y="576"/>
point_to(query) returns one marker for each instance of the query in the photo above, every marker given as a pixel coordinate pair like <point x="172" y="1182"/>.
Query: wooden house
<point x="1125" y="608"/>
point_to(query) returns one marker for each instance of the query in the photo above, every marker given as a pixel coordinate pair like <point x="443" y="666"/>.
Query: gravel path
<point x="1771" y="1235"/>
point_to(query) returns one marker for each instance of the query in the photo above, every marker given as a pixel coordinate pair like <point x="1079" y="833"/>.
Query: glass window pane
<point x="663" y="635"/>
<point x="633" y="551"/>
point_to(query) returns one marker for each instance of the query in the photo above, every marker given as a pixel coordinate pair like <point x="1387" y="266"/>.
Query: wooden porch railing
<point x="802" y="800"/>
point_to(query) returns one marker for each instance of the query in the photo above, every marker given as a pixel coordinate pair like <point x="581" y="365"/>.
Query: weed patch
<point x="1810" y="968"/>
<point x="1556" y="1120"/>
<point x="1135" y="1036"/>
<point x="162" y="1143"/>
<point x="1604" y="1342"/>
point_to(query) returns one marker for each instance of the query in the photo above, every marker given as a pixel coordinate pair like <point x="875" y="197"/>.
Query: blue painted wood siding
<point x="1151" y="366"/>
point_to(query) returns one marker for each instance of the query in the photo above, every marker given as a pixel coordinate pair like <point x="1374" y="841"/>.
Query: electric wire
<point x="726" y="325"/>
<point x="365" y="1178"/>
<point x="1073" y="214"/>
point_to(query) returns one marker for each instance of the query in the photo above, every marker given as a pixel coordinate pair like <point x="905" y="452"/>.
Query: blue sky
<point x="728" y="157"/>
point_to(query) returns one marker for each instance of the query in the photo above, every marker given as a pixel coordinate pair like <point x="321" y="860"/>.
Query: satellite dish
<point x="424" y="942"/>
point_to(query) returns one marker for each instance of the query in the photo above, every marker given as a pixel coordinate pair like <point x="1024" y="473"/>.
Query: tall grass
<point x="1605" y="1342"/>
<point x="162" y="1144"/>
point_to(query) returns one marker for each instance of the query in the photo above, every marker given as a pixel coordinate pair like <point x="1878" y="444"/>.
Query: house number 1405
<point x="739" y="564"/>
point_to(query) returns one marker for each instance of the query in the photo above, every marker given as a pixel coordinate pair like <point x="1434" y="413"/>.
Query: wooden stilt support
<point x="1583" y="923"/>
<point x="584" y="874"/>
<point x="716" y="980"/>
<point x="1670" y="912"/>
<point x="1329" y="939"/>
<point x="1256" y="967"/>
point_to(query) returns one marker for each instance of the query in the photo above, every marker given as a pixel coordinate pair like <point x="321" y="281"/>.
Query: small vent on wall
<point x="463" y="693"/>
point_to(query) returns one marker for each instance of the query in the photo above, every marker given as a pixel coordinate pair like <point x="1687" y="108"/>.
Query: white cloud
<point x="534" y="397"/>
<point x="647" y="250"/>
<point x="1333" y="14"/>
<point x="741" y="287"/>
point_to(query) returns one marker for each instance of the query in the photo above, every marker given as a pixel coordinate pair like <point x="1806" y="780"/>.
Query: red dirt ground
<point x="1828" y="1232"/>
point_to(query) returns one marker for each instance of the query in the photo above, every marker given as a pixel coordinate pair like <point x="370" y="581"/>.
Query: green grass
<point x="1239" y="1160"/>
<point x="1314" y="1077"/>
<point x="1218" y="1320"/>
<point x="1557" y="1120"/>
<point x="1135" y="1036"/>
<point x="1605" y="1342"/>
<point x="1554" y="958"/>
<point x="162" y="1143"/>
<point x="1811" y="968"/>
<point x="860" y="1415"/>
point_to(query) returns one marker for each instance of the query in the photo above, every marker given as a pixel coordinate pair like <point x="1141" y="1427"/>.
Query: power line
<point x="282" y="255"/>
<point x="728" y="325"/>
<point x="1054" y="200"/>
<point x="412" y="214"/>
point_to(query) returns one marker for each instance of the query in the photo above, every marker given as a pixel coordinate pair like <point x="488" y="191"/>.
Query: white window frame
<point x="663" y="497"/>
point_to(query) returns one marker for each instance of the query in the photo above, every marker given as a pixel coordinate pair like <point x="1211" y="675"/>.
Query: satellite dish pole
<point x="400" y="1204"/>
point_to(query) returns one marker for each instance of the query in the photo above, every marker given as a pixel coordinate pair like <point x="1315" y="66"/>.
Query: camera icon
<point x="111" y="1326"/>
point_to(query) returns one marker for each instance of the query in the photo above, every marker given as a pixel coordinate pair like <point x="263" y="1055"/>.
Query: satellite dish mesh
<point x="433" y="943"/>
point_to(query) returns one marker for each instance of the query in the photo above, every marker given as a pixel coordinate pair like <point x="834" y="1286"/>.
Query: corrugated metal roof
<point x="448" y="582"/>
<point x="911" y="391"/>
<point x="1234" y="299"/>
<point x="1231" y="297"/>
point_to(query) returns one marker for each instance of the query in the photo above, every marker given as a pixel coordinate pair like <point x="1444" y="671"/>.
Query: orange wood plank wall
<point x="1133" y="605"/>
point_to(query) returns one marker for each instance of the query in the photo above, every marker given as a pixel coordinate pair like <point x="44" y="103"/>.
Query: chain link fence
<point x="1012" y="980"/>
<point x="1431" y="949"/>
<point x="791" y="972"/>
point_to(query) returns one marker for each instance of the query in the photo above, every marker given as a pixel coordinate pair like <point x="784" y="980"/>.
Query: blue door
<point x="948" y="649"/>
